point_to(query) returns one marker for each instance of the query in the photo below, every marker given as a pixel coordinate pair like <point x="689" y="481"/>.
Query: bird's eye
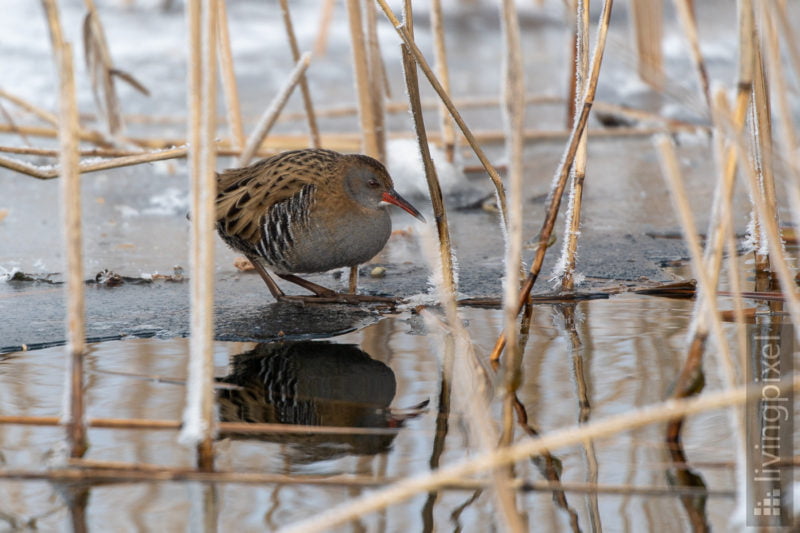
<point x="373" y="183"/>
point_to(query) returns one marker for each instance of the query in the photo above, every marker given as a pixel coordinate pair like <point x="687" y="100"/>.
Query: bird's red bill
<point x="392" y="197"/>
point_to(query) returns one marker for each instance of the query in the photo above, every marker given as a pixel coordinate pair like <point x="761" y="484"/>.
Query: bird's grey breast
<point x="322" y="241"/>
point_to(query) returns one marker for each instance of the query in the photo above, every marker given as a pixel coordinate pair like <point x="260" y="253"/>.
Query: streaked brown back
<point x="245" y="195"/>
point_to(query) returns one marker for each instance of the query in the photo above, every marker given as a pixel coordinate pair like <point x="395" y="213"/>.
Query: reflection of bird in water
<point x="312" y="383"/>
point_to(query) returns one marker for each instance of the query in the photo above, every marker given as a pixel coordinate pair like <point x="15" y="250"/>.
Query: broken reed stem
<point x="434" y="189"/>
<point x="100" y="67"/>
<point x="270" y="114"/>
<point x="440" y="56"/>
<point x="404" y="34"/>
<point x="361" y="67"/>
<point x="230" y="90"/>
<point x="199" y="414"/>
<point x="560" y="178"/>
<point x="573" y="216"/>
<point x="689" y="25"/>
<point x="482" y="461"/>
<point x="313" y="129"/>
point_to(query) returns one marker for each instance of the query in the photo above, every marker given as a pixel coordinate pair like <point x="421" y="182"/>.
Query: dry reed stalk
<point x="777" y="79"/>
<point x="708" y="315"/>
<point x="36" y="111"/>
<point x="229" y="86"/>
<point x="648" y="28"/>
<point x="13" y="124"/>
<point x="224" y="427"/>
<point x="348" y="141"/>
<point x="434" y="189"/>
<point x="689" y="25"/>
<point x="313" y="129"/>
<point x="51" y="172"/>
<point x="514" y="117"/>
<point x="788" y="30"/>
<point x="560" y="178"/>
<point x="49" y="152"/>
<point x="325" y="18"/>
<point x="48" y="117"/>
<point x="73" y="416"/>
<point x="761" y="126"/>
<point x="583" y="395"/>
<point x="472" y="393"/>
<point x="405" y="35"/>
<point x="370" y="143"/>
<point x="787" y="140"/>
<point x="569" y="252"/>
<point x="440" y="57"/>
<point x="270" y="114"/>
<point x="102" y="72"/>
<point x="482" y="461"/>
<point x="378" y="81"/>
<point x="199" y="415"/>
<point x="93" y="471"/>
<point x="707" y="286"/>
<point x="100" y="67"/>
<point x="779" y="263"/>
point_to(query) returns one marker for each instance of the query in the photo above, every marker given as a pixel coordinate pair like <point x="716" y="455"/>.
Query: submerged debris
<point x="18" y="276"/>
<point x="109" y="278"/>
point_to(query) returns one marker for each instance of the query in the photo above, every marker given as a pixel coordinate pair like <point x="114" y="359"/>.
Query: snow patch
<point x="405" y="166"/>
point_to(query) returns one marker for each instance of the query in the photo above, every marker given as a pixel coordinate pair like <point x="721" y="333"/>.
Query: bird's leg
<point x="353" y="279"/>
<point x="319" y="290"/>
<point x="324" y="295"/>
<point x="276" y="291"/>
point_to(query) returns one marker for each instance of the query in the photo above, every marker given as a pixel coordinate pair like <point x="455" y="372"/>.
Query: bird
<point x="307" y="211"/>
